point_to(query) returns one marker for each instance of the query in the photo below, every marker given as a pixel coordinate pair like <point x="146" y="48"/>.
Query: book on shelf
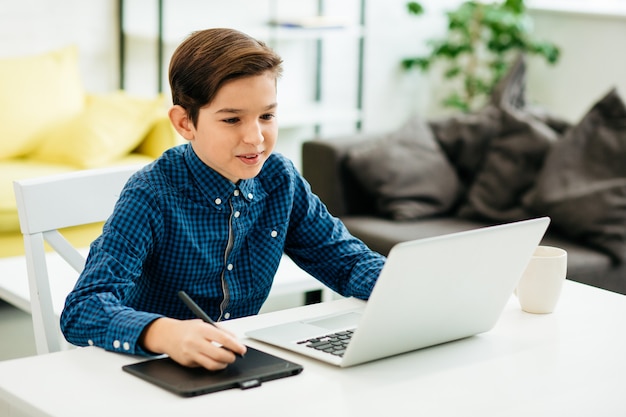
<point x="311" y="22"/>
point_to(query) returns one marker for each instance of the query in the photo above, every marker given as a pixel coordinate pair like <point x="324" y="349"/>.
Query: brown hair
<point x="209" y="58"/>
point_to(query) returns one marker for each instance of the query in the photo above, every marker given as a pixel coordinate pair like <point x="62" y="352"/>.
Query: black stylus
<point x="200" y="313"/>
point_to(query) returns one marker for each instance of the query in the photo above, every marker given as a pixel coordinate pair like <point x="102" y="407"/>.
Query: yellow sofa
<point x="50" y="125"/>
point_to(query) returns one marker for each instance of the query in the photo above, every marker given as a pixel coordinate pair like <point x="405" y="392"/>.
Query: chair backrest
<point x="54" y="202"/>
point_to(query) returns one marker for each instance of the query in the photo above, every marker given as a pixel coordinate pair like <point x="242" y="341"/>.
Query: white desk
<point x="569" y="363"/>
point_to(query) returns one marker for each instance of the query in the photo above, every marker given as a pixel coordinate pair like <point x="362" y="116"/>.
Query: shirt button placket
<point x="237" y="213"/>
<point x="230" y="268"/>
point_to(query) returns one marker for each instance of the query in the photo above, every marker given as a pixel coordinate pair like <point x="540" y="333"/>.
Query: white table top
<point x="571" y="362"/>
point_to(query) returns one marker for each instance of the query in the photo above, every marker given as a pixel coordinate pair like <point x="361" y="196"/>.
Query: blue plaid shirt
<point x="179" y="225"/>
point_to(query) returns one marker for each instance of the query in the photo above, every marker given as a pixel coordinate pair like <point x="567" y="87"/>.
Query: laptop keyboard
<point x="334" y="343"/>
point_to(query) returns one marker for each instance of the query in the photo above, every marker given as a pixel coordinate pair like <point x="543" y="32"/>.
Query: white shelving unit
<point x="321" y="88"/>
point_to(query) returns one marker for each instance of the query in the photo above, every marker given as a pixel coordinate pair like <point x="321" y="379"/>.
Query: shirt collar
<point x="214" y="187"/>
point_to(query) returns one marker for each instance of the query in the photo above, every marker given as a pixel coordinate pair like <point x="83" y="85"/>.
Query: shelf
<point x="324" y="33"/>
<point x="267" y="33"/>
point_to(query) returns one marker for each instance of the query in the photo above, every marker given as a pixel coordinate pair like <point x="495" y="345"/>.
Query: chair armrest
<point x="324" y="167"/>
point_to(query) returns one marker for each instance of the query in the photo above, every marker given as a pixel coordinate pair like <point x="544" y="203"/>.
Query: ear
<point x="180" y="120"/>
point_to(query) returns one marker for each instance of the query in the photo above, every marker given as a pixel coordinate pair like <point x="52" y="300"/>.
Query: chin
<point x="250" y="173"/>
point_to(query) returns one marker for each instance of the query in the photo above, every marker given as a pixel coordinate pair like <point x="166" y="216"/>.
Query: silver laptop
<point x="430" y="291"/>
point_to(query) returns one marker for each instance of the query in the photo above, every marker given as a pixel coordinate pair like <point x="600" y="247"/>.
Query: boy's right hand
<point x="192" y="342"/>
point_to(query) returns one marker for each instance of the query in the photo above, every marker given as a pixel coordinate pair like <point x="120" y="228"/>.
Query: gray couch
<point x="508" y="161"/>
<point x="326" y="166"/>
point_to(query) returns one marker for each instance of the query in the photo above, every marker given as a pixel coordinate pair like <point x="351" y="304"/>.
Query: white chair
<point x="83" y="197"/>
<point x="45" y="205"/>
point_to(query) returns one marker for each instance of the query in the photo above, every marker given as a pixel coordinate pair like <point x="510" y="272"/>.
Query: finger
<point x="227" y="340"/>
<point x="200" y="359"/>
<point x="209" y="363"/>
<point x="215" y="357"/>
<point x="236" y="348"/>
<point x="231" y="343"/>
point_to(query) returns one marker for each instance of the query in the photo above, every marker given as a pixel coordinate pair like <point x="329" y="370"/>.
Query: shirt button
<point x="274" y="233"/>
<point x="230" y="267"/>
<point x="126" y="346"/>
<point x="227" y="316"/>
<point x="237" y="214"/>
<point x="218" y="201"/>
<point x="236" y="193"/>
<point x="250" y="196"/>
<point x="117" y="344"/>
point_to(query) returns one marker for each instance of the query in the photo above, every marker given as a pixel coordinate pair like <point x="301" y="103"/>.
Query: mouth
<point x="250" y="158"/>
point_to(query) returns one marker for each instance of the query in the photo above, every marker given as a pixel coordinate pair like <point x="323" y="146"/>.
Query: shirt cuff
<point x="125" y="330"/>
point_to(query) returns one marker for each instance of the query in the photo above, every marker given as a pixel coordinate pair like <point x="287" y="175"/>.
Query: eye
<point x="231" y="120"/>
<point x="268" y="116"/>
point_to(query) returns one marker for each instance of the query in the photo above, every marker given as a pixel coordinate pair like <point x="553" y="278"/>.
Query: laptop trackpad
<point x="340" y="321"/>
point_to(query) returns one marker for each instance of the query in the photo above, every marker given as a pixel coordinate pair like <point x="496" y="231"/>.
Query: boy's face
<point x="237" y="131"/>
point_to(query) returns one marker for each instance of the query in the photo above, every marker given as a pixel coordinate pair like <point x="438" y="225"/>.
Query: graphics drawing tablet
<point x="247" y="372"/>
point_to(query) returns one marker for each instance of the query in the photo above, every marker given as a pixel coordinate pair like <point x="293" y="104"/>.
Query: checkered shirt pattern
<point x="179" y="225"/>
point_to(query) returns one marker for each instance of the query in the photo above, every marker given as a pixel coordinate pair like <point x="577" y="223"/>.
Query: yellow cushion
<point x="110" y="126"/>
<point x="14" y="169"/>
<point x="35" y="92"/>
<point x="132" y="159"/>
<point x="161" y="137"/>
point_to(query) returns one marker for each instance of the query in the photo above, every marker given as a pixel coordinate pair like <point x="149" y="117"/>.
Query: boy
<point x="211" y="217"/>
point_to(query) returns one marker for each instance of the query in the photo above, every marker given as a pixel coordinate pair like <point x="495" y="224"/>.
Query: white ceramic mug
<point x="540" y="286"/>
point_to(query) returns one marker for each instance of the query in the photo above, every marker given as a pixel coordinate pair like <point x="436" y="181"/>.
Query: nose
<point x="254" y="134"/>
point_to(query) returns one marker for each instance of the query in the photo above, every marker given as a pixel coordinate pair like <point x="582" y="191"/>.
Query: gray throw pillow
<point x="407" y="172"/>
<point x="512" y="162"/>
<point x="465" y="137"/>
<point x="582" y="185"/>
<point x="513" y="156"/>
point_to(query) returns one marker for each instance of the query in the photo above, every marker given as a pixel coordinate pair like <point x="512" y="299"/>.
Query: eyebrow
<point x="236" y="111"/>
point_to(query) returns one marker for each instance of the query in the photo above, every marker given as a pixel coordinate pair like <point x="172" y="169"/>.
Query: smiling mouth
<point x="250" y="158"/>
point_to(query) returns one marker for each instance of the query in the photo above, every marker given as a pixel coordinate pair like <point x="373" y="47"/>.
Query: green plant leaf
<point x="515" y="5"/>
<point x="482" y="39"/>
<point x="418" y="62"/>
<point x="415" y="8"/>
<point x="548" y="50"/>
<point x="456" y="102"/>
<point x="452" y="72"/>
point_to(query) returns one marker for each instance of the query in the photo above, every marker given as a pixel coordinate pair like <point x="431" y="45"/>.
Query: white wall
<point x="392" y="93"/>
<point x="36" y="26"/>
<point x="592" y="62"/>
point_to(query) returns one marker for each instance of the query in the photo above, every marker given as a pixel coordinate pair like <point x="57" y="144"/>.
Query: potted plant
<point x="481" y="42"/>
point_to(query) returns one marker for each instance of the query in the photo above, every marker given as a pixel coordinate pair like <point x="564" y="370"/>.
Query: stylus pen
<point x="200" y="313"/>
